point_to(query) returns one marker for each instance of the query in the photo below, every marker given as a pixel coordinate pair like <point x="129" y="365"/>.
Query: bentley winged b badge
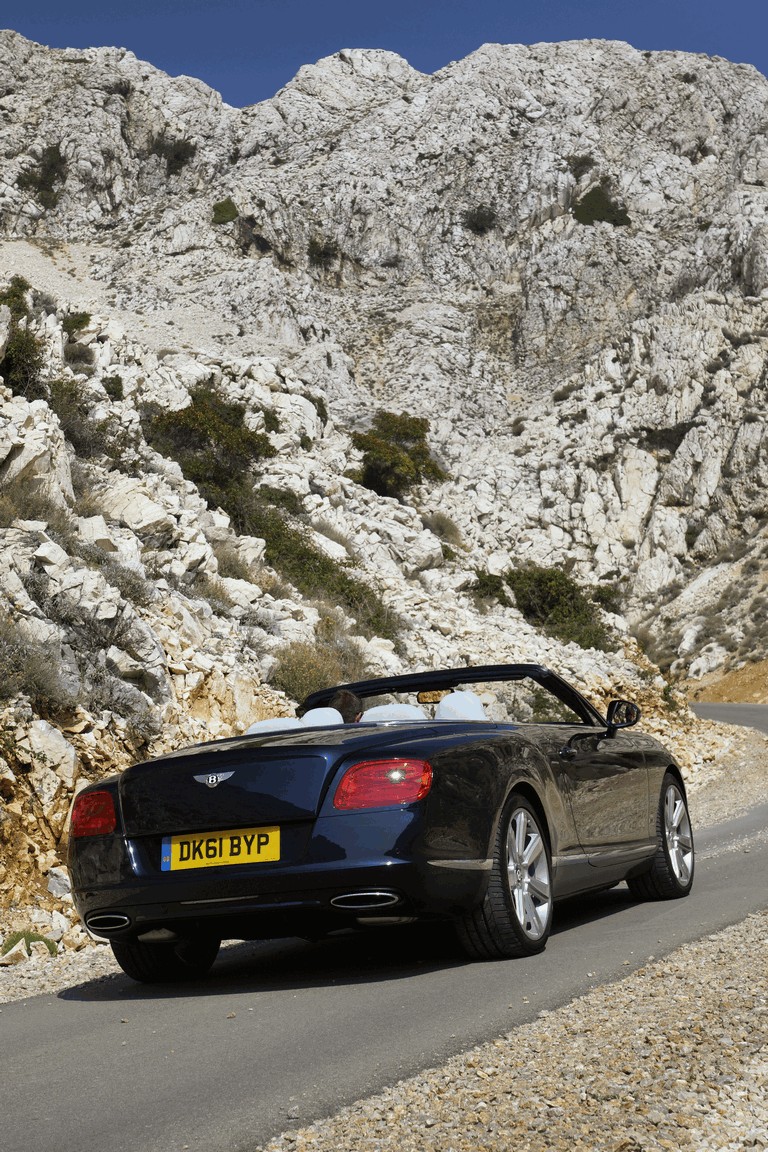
<point x="213" y="778"/>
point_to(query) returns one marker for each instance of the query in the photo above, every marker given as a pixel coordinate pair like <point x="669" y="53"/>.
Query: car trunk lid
<point x="215" y="787"/>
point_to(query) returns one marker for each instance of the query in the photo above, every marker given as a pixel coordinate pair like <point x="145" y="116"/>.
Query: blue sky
<point x="247" y="49"/>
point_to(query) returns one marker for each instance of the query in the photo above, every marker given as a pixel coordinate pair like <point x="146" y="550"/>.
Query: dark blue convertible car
<point x="478" y="796"/>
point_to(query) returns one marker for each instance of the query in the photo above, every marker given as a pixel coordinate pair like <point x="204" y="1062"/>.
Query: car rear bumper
<point x="305" y="903"/>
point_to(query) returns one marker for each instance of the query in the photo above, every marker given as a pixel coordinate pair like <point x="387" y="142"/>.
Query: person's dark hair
<point x="348" y="704"/>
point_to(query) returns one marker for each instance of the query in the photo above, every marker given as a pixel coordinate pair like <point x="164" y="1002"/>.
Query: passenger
<point x="350" y="706"/>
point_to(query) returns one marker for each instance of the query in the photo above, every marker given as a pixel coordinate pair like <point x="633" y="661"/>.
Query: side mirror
<point x="621" y="714"/>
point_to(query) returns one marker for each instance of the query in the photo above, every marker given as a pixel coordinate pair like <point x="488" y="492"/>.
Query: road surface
<point x="285" y="1032"/>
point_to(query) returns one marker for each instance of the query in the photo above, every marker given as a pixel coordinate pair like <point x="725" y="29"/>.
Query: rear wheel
<point x="670" y="875"/>
<point x="515" y="917"/>
<point x="166" y="963"/>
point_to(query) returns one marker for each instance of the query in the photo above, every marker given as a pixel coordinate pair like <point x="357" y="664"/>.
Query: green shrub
<point x="284" y="498"/>
<point x="551" y="600"/>
<point x="75" y="322"/>
<point x="70" y="403"/>
<point x="598" y="206"/>
<point x="15" y="297"/>
<point x="113" y="386"/>
<point x="395" y="454"/>
<point x="209" y="440"/>
<point x="75" y="353"/>
<point x="23" y="360"/>
<point x="608" y="596"/>
<point x="320" y="408"/>
<point x="32" y="670"/>
<point x="28" y="937"/>
<point x="480" y="219"/>
<point x="225" y="211"/>
<point x="176" y="153"/>
<point x="488" y="587"/>
<point x="290" y="550"/>
<point x="45" y="178"/>
<point x="22" y="364"/>
<point x="321" y="252"/>
<point x="271" y="420"/>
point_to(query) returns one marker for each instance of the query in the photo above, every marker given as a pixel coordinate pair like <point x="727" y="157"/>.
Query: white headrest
<point x="273" y="724"/>
<point x="395" y="712"/>
<point x="460" y="706"/>
<point x="322" y="718"/>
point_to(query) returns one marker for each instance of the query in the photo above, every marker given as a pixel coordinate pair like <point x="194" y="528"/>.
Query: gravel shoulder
<point x="676" y="1057"/>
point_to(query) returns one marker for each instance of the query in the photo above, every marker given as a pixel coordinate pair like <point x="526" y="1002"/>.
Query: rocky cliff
<point x="557" y="256"/>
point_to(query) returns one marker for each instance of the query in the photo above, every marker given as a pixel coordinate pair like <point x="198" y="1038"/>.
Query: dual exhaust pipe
<point x="105" y="923"/>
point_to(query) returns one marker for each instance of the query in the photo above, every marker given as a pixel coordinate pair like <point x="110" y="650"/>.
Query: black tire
<point x="670" y="875"/>
<point x="515" y="917"/>
<point x="166" y="963"/>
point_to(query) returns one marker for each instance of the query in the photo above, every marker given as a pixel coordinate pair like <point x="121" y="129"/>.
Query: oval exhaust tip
<point x="108" y="922"/>
<point x="362" y="901"/>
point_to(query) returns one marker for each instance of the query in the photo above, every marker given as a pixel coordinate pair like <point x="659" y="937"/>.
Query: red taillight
<point x="381" y="783"/>
<point x="93" y="814"/>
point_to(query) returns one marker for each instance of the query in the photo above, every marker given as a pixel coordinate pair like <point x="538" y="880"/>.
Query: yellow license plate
<point x="210" y="849"/>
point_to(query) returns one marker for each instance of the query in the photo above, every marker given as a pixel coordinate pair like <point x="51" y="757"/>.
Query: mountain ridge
<point x="557" y="255"/>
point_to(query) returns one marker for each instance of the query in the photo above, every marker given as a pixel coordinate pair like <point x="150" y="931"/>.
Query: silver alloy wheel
<point x="528" y="874"/>
<point x="677" y="834"/>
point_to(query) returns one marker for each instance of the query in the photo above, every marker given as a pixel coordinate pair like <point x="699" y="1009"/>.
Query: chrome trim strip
<point x="464" y="865"/>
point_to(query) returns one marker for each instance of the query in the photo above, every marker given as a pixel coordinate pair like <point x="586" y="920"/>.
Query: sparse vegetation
<point x="231" y="564"/>
<point x="176" y="153"/>
<point x="216" y="451"/>
<point x="34" y="670"/>
<point x="74" y="322"/>
<point x="396" y="455"/>
<point x="331" y="659"/>
<point x="480" y="219"/>
<point x="293" y="554"/>
<point x="551" y="600"/>
<point x="224" y="211"/>
<point x="443" y="527"/>
<point x="22" y="365"/>
<point x="29" y="937"/>
<point x="599" y="206"/>
<point x="212" y="589"/>
<point x="489" y="588"/>
<point x="322" y="252"/>
<point x="46" y="177"/>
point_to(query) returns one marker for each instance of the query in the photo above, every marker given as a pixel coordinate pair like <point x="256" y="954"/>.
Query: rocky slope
<point x="557" y="255"/>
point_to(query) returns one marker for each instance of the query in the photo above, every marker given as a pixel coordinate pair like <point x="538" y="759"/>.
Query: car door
<point x="606" y="780"/>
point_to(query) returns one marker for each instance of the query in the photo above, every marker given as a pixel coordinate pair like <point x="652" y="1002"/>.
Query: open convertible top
<point x="446" y="678"/>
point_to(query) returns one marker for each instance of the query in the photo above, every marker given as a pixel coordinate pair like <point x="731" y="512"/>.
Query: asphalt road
<point x="287" y="1032"/>
<point x="750" y="715"/>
